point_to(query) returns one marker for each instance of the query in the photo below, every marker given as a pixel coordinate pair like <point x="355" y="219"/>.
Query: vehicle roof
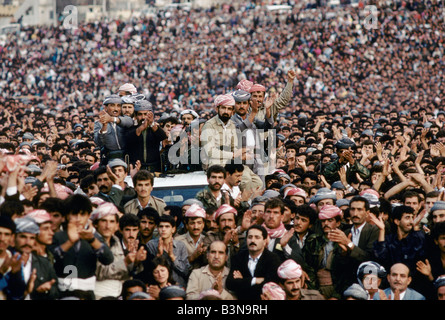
<point x="195" y="178"/>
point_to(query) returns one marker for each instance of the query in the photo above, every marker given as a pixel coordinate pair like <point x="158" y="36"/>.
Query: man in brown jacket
<point x="143" y="185"/>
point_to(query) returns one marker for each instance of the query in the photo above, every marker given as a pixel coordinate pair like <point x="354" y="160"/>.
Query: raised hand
<point x="348" y="155"/>
<point x="286" y="237"/>
<point x="379" y="150"/>
<point x="104" y="117"/>
<point x="31" y="282"/>
<point x="141" y="255"/>
<point x="247" y="220"/>
<point x="342" y="174"/>
<point x="153" y="290"/>
<point x="377" y="221"/>
<point x="170" y="250"/>
<point x="134" y="169"/>
<point x="29" y="191"/>
<point x="88" y="233"/>
<point x="237" y="275"/>
<point x="112" y="176"/>
<point x="73" y="232"/>
<point x="425" y="268"/>
<point x="291" y="74"/>
<point x="132" y="250"/>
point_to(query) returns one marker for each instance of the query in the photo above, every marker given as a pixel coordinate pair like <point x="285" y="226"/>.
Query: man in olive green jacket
<point x="344" y="151"/>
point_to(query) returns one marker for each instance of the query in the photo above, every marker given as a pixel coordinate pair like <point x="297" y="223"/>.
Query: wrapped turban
<point x="40" y="216"/>
<point x="274" y="291"/>
<point x="244" y="85"/>
<point x="114" y="98"/>
<point x="128" y="87"/>
<point x="289" y="269"/>
<point x="257" y="87"/>
<point x="295" y="192"/>
<point x="97" y="201"/>
<point x="26" y="225"/>
<point x="195" y="211"/>
<point x="241" y="95"/>
<point x="225" y="208"/>
<point x="224" y="100"/>
<point x="103" y="210"/>
<point x="329" y="211"/>
<point x="370" y="191"/>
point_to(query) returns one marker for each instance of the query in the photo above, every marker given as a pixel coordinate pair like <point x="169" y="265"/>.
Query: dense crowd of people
<point x="322" y="142"/>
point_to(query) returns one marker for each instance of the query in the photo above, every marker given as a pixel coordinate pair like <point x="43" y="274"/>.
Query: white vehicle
<point x="281" y="8"/>
<point x="9" y="28"/>
<point x="176" y="188"/>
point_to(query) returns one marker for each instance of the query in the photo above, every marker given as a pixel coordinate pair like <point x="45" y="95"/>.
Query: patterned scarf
<point x="277" y="232"/>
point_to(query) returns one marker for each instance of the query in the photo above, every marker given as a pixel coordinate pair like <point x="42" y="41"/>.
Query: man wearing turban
<point x="258" y="93"/>
<point x="292" y="282"/>
<point x="38" y="271"/>
<point x="320" y="251"/>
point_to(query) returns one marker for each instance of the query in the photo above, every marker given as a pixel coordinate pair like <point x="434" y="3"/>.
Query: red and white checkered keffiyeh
<point x="224" y="100"/>
<point x="329" y="211"/>
<point x="195" y="211"/>
<point x="103" y="210"/>
<point x="39" y="215"/>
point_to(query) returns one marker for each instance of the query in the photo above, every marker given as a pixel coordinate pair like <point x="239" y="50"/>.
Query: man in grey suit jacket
<point x="109" y="129"/>
<point x="399" y="279"/>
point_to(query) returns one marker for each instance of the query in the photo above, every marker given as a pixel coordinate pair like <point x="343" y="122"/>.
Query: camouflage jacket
<point x="330" y="171"/>
<point x="209" y="201"/>
<point x="313" y="252"/>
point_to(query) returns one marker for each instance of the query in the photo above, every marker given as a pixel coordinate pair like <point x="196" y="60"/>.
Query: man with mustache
<point x="355" y="243"/>
<point x="45" y="236"/>
<point x="294" y="240"/>
<point x="319" y="253"/>
<point x="108" y="189"/>
<point x="399" y="278"/>
<point x="193" y="239"/>
<point x="273" y="223"/>
<point x="143" y="140"/>
<point x="12" y="284"/>
<point x="244" y="119"/>
<point x="109" y="129"/>
<point x="219" y="138"/>
<point x="254" y="267"/>
<point x="129" y="226"/>
<point x="405" y="245"/>
<point x="228" y="232"/>
<point x="148" y="219"/>
<point x="292" y="282"/>
<point x="143" y="182"/>
<point x="110" y="277"/>
<point x="38" y="271"/>
<point x="213" y="196"/>
<point x="258" y="93"/>
<point x="211" y="276"/>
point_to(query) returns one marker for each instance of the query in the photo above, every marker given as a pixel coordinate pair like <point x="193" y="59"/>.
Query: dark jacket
<point x="266" y="268"/>
<point x="81" y="255"/>
<point x="45" y="273"/>
<point x="145" y="147"/>
<point x="347" y="265"/>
